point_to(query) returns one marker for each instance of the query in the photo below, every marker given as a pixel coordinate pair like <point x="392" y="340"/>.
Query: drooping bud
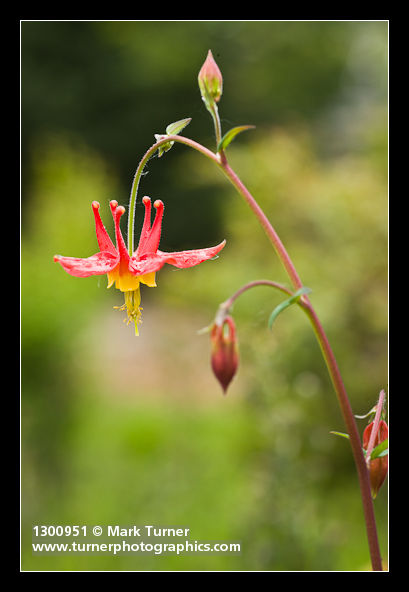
<point x="378" y="467"/>
<point x="225" y="355"/>
<point x="210" y="81"/>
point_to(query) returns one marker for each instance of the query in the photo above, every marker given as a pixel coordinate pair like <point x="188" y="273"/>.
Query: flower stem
<point x="363" y="474"/>
<point x="229" y="302"/>
<point x="265" y="223"/>
<point x="329" y="357"/>
<point x="214" y="112"/>
<point x="332" y="367"/>
<point x="137" y="177"/>
<point x="224" y="307"/>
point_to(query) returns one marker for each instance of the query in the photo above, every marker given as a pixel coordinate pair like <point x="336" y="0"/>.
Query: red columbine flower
<point x="128" y="272"/>
<point x="225" y="356"/>
<point x="378" y="467"/>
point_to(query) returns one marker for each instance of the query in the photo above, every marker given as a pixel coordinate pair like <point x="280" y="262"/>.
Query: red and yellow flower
<point x="129" y="271"/>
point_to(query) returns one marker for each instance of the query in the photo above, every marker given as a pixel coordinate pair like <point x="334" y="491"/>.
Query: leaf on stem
<point x="177" y="126"/>
<point x="231" y="134"/>
<point x="380" y="450"/>
<point x="171" y="130"/>
<point x="372" y="411"/>
<point x="341" y="434"/>
<point x="292" y="300"/>
<point x="377" y="452"/>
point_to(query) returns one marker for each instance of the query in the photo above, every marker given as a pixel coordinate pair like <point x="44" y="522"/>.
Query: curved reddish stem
<point x="221" y="161"/>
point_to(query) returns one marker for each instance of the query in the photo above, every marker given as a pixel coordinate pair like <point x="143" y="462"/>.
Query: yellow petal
<point x="127" y="282"/>
<point x="148" y="279"/>
<point x="111" y="278"/>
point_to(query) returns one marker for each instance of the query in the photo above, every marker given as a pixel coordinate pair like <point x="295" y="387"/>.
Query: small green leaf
<point x="171" y="130"/>
<point x="341" y="434"/>
<point x="164" y="147"/>
<point x="177" y="126"/>
<point x="373" y="410"/>
<point x="383" y="453"/>
<point x="380" y="450"/>
<point x="230" y="135"/>
<point x="294" y="298"/>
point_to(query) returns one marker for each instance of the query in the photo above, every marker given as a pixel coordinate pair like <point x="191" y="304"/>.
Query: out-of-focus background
<point x="124" y="430"/>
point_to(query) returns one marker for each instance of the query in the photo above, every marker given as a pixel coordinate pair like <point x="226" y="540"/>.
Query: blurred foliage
<point x="119" y="430"/>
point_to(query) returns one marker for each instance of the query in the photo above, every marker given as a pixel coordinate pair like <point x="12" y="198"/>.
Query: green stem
<point x="332" y="366"/>
<point x="214" y="112"/>
<point x="148" y="154"/>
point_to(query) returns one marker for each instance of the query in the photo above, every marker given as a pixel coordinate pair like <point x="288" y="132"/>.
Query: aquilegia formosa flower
<point x="126" y="271"/>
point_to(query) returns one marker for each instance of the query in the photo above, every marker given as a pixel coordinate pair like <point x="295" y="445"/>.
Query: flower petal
<point x="104" y="241"/>
<point x="97" y="264"/>
<point x="150" y="235"/>
<point x="117" y="212"/>
<point x="146" y="227"/>
<point x="182" y="259"/>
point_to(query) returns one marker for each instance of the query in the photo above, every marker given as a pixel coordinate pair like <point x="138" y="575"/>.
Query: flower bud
<point x="210" y="81"/>
<point x="378" y="467"/>
<point x="225" y="356"/>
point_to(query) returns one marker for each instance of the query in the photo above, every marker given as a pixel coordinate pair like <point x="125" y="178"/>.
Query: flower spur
<point x="126" y="271"/>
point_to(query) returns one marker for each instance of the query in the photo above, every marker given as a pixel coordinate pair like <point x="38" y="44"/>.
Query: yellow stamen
<point x="148" y="279"/>
<point x="130" y="286"/>
<point x="132" y="307"/>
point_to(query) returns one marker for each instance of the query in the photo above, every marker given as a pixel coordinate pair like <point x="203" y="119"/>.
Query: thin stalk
<point x="229" y="302"/>
<point x="214" y="112"/>
<point x="266" y="224"/>
<point x="224" y="307"/>
<point x="137" y="177"/>
<point x="332" y="366"/>
<point x="349" y="419"/>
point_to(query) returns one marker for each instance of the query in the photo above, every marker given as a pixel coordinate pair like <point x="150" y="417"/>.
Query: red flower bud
<point x="225" y="356"/>
<point x="210" y="81"/>
<point x="378" y="467"/>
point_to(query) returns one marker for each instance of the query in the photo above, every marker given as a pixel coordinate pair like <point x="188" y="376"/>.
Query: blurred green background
<point x="124" y="430"/>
